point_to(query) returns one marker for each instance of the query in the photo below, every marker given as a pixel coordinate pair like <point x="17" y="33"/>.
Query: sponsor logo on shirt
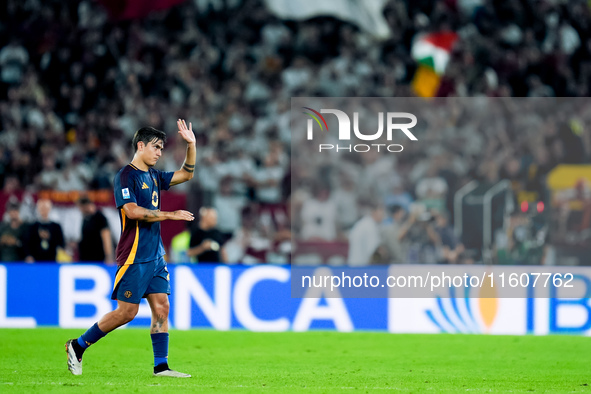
<point x="144" y="186"/>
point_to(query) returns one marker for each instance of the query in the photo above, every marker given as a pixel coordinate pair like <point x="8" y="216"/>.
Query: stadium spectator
<point x="250" y="244"/>
<point x="208" y="177"/>
<point x="450" y="248"/>
<point x="50" y="175"/>
<point x="229" y="207"/>
<point x="45" y="237"/>
<point x="376" y="168"/>
<point x="365" y="237"/>
<point x="419" y="237"/>
<point x="179" y="247"/>
<point x="395" y="250"/>
<point x="96" y="243"/>
<point x="267" y="180"/>
<point x="397" y="195"/>
<point x="525" y="241"/>
<point x="344" y="198"/>
<point x="574" y="209"/>
<point x="14" y="59"/>
<point x="207" y="242"/>
<point x="74" y="176"/>
<point x="12" y="234"/>
<point x="431" y="189"/>
<point x="319" y="215"/>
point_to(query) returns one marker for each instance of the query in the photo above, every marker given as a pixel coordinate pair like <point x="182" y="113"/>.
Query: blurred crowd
<point x="75" y="85"/>
<point x="397" y="207"/>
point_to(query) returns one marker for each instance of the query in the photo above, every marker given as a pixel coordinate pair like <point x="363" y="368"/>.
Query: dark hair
<point x="83" y="200"/>
<point x="12" y="204"/>
<point x="318" y="187"/>
<point x="394" y="209"/>
<point x="370" y="203"/>
<point x="147" y="135"/>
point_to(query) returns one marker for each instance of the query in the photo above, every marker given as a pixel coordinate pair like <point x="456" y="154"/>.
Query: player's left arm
<point x="186" y="171"/>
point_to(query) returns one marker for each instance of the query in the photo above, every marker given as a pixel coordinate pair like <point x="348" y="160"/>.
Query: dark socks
<point x="160" y="347"/>
<point x="91" y="335"/>
<point x="161" y="367"/>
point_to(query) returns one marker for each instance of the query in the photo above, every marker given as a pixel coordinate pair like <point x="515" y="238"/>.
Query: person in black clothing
<point x="12" y="234"/>
<point x="45" y="236"/>
<point x="96" y="243"/>
<point x="206" y="241"/>
<point x="451" y="246"/>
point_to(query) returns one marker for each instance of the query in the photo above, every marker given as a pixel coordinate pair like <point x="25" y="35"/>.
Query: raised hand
<point x="186" y="132"/>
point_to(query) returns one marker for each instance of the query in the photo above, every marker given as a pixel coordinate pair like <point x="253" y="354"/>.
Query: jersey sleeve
<point x="124" y="189"/>
<point x="165" y="178"/>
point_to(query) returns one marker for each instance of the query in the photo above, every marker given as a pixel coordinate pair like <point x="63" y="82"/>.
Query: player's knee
<point x="128" y="314"/>
<point x="162" y="309"/>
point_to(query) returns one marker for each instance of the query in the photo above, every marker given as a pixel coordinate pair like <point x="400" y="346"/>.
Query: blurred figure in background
<point x="267" y="180"/>
<point x="179" y="246"/>
<point x="206" y="240"/>
<point x="96" y="243"/>
<point x="395" y="251"/>
<point x="229" y="206"/>
<point x="431" y="189"/>
<point x="397" y="195"/>
<point x="319" y="215"/>
<point x="419" y="236"/>
<point x="12" y="234"/>
<point x="364" y="238"/>
<point x="45" y="236"/>
<point x="526" y="238"/>
<point x="250" y="244"/>
<point x="574" y="207"/>
<point x="451" y="248"/>
<point x="13" y="61"/>
<point x="344" y="198"/>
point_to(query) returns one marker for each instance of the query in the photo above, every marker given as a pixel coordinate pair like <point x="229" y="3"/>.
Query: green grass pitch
<point x="239" y="361"/>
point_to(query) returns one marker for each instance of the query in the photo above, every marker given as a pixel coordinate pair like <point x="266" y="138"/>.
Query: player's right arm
<point x="125" y="189"/>
<point x="135" y="212"/>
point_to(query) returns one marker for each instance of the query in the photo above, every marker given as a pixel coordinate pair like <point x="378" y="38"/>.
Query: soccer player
<point x="142" y="270"/>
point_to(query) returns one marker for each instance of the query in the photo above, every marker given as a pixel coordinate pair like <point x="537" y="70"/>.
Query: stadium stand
<point x="76" y="80"/>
